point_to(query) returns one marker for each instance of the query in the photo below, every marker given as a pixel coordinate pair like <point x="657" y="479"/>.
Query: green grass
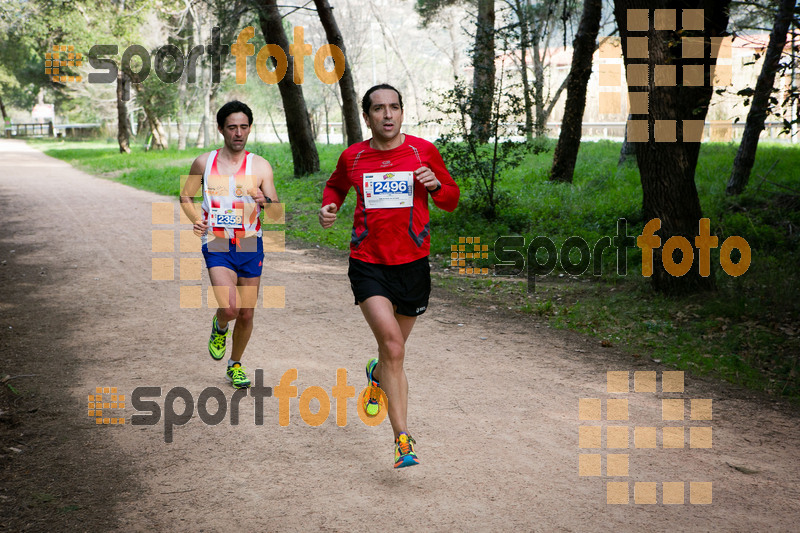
<point x="746" y="332"/>
<point x="160" y="172"/>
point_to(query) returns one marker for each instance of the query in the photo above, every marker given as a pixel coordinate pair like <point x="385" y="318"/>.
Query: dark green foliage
<point x="429" y="9"/>
<point x="476" y="166"/>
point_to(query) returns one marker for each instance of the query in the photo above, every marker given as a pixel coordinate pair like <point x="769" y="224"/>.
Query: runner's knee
<point x="392" y="351"/>
<point x="229" y="313"/>
<point x="245" y="314"/>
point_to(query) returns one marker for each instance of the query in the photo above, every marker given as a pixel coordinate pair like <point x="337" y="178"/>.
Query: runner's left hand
<point x="258" y="196"/>
<point x="426" y="177"/>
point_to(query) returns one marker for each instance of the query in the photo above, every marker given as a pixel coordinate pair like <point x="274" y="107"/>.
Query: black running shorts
<point x="407" y="286"/>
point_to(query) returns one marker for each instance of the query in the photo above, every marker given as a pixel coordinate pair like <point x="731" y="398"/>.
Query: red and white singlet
<point x="228" y="208"/>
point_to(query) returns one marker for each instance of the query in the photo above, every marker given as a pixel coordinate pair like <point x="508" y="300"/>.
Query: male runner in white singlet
<point x="236" y="184"/>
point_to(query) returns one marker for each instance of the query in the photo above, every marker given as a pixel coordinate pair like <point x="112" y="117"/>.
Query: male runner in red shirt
<point x="393" y="175"/>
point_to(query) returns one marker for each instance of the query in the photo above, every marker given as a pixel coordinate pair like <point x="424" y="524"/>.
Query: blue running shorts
<point x="244" y="256"/>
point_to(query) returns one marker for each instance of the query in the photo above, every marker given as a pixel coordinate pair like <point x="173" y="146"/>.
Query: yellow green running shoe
<point x="237" y="376"/>
<point x="216" y="344"/>
<point x="372" y="404"/>
<point x="404" y="454"/>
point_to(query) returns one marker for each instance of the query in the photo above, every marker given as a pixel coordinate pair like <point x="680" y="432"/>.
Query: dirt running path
<point x="493" y="400"/>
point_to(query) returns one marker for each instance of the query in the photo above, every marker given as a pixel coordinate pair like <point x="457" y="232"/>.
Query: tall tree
<point x="298" y="124"/>
<point x="123" y="123"/>
<point x="522" y="10"/>
<point x="391" y="41"/>
<point x="6" y="120"/>
<point x="483" y="78"/>
<point x="202" y="17"/>
<point x="483" y="57"/>
<point x="537" y="26"/>
<point x="569" y="140"/>
<point x="123" y="92"/>
<point x="181" y="27"/>
<point x="746" y="155"/>
<point x="120" y="22"/>
<point x="22" y="36"/>
<point x="534" y="25"/>
<point x="158" y="101"/>
<point x="668" y="158"/>
<point x="350" y="108"/>
<point x="215" y="22"/>
<point x="28" y="30"/>
<point x="627" y="150"/>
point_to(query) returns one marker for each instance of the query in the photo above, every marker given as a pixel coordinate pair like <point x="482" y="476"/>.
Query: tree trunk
<point x="540" y="124"/>
<point x="521" y="9"/>
<point x="554" y="100"/>
<point x="667" y="167"/>
<point x="3" y="110"/>
<point x="746" y="155"/>
<point x="205" y="81"/>
<point x="184" y="23"/>
<point x="350" y="109"/>
<point x="312" y="119"/>
<point x="569" y="140"/>
<point x="208" y="119"/>
<point x="201" y="142"/>
<point x="6" y="120"/>
<point x="123" y="125"/>
<point x="301" y="138"/>
<point x="160" y="141"/>
<point x="483" y="77"/>
<point x="328" y="124"/>
<point x="181" y="116"/>
<point x="627" y="149"/>
<point x="274" y="127"/>
<point x="455" y="57"/>
<point x="141" y="123"/>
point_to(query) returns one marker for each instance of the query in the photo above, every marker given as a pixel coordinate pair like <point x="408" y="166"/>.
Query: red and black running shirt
<point x="391" y="236"/>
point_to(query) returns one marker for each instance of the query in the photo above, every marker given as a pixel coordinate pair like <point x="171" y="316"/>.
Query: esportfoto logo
<point x="512" y="256"/>
<point x="149" y="410"/>
<point x="169" y="63"/>
<point x="62" y="56"/>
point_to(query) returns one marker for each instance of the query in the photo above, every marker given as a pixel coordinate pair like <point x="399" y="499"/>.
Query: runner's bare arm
<point x="265" y="193"/>
<point x="190" y="189"/>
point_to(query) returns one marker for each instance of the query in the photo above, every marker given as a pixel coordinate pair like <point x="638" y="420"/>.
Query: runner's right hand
<point x="200" y="228"/>
<point x="327" y="215"/>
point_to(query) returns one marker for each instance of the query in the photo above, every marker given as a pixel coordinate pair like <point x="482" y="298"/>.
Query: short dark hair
<point x="234" y="106"/>
<point x="367" y="100"/>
